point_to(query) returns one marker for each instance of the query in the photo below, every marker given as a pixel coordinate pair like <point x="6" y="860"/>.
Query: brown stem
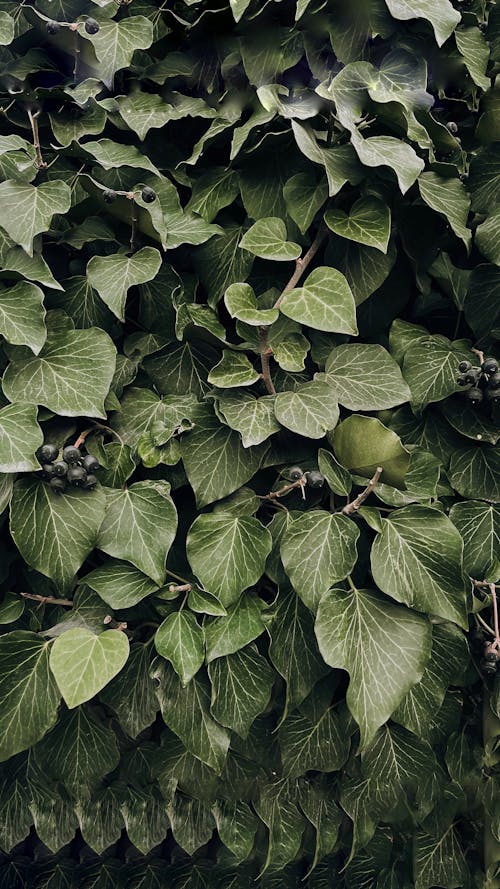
<point x="302" y="262"/>
<point x="265" y="355"/>
<point x="133" y="224"/>
<point x="81" y="438"/>
<point x="349" y="508"/>
<point x="484" y="625"/>
<point x="180" y="588"/>
<point x="495" y="613"/>
<point x="47" y="600"/>
<point x="33" y="118"/>
<point x="479" y="354"/>
<point x="115" y="624"/>
<point x="76" y="52"/>
<point x="274" y="495"/>
<point x="485" y="583"/>
<point x="178" y="577"/>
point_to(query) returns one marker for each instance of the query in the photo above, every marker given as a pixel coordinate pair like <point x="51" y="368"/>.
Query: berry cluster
<point x="490" y="661"/>
<point x="483" y="382"/>
<point x="148" y="195"/>
<point x="314" y="478"/>
<point x="91" y="26"/>
<point x="70" y="468"/>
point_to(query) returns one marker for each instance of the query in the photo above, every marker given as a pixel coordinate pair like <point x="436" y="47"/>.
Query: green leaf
<point x="341" y="164"/>
<point x="233" y="370"/>
<point x="321" y="745"/>
<point x="364" y="268"/>
<point x="222" y="262"/>
<point x="143" y="112"/>
<point x="55" y="533"/>
<point x="363" y="443"/>
<point x="228" y="553"/>
<point x="241" y="303"/>
<point x="430" y="368"/>
<point x="192" y="823"/>
<point x="486" y="237"/>
<point x="144" y="833"/>
<point x="131" y="694"/>
<point x="29" y="695"/>
<point x="310" y="410"/>
<point x="70" y="128"/>
<point x="22" y="316"/>
<point x="216" y="189"/>
<point x="241" y="688"/>
<point x="120" y="584"/>
<point x="377" y="151"/>
<point x="20" y="437"/>
<point x="113" y="155"/>
<point x="267" y="238"/>
<point x="417" y="559"/>
<point x="203" y="602"/>
<point x="139" y="526"/>
<point x="27" y="209"/>
<point x="186" y="710"/>
<point x="384" y="648"/>
<point x="78" y="751"/>
<point x="463" y="417"/>
<point x="338" y="479"/>
<point x="368" y="222"/>
<point x="71" y="375"/>
<point x="484" y="182"/>
<point x="441" y="14"/>
<point x="83" y="663"/>
<point x="252" y="417"/>
<point x="227" y="635"/>
<point x="475" y="473"/>
<point x="101" y="822"/>
<point x="293" y="649"/>
<point x="116" y="42"/>
<point x="303" y="198"/>
<point x="215" y="461"/>
<point x="439" y="860"/>
<point x="365" y="377"/>
<point x="7" y="29"/>
<point x="112" y="276"/>
<point x="236" y="825"/>
<point x="276" y="808"/>
<point x="449" y="654"/>
<point x="11" y="608"/>
<point x="449" y="197"/>
<point x="479" y="527"/>
<point x="317" y="550"/>
<point x="324" y="302"/>
<point x="179" y="639"/>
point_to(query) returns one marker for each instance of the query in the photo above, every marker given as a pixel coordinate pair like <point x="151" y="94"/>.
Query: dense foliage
<point x="244" y="251"/>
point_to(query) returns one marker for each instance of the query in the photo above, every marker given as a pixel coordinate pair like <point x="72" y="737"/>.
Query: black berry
<point x="461" y="380"/>
<point x="148" y="195"/>
<point x="494" y="381"/>
<point x="464" y="366"/>
<point x="492" y="395"/>
<point x="490" y="366"/>
<point x="48" y="470"/>
<point x="91" y="26"/>
<point x="473" y="375"/>
<point x="491" y="656"/>
<point x="315" y="479"/>
<point x="91" y="463"/>
<point x="76" y="475"/>
<point x="71" y="454"/>
<point x="475" y="396"/>
<point x="90" y="482"/>
<point x="488" y="668"/>
<point x="47" y="453"/>
<point x="58" y="485"/>
<point x="53" y="27"/>
<point x="109" y="196"/>
<point x="295" y="473"/>
<point x="60" y="468"/>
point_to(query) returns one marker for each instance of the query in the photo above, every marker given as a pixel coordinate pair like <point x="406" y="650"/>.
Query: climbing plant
<point x="249" y="319"/>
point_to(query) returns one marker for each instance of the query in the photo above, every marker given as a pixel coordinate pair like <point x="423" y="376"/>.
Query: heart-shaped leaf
<point x="179" y="639"/>
<point x="324" y="302"/>
<point x="20" y="437"/>
<point x="116" y="42"/>
<point x="22" y="316"/>
<point x="112" y="276"/>
<point x="27" y="209"/>
<point x="309" y="410"/>
<point x="363" y="443"/>
<point x="234" y="369"/>
<point x="364" y="377"/>
<point x="241" y="303"/>
<point x="83" y="663"/>
<point x="368" y="222"/>
<point x="267" y="238"/>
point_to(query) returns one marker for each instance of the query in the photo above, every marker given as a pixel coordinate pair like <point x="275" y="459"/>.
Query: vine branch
<point x="47" y="600"/>
<point x="265" y="355"/>
<point x="33" y="118"/>
<point x="349" y="508"/>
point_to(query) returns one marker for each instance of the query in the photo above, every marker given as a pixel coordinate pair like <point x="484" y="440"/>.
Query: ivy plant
<point x="249" y="410"/>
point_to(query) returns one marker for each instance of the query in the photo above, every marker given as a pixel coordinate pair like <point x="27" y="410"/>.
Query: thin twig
<point x="349" y="508"/>
<point x="180" y="588"/>
<point x="133" y="224"/>
<point x="265" y="354"/>
<point x="485" y="583"/>
<point x="479" y="354"/>
<point x="484" y="624"/>
<point x="302" y="262"/>
<point x="33" y="118"/>
<point x="495" y="613"/>
<point x="47" y="600"/>
<point x="76" y="53"/>
<point x="178" y="577"/>
<point x="274" y="495"/>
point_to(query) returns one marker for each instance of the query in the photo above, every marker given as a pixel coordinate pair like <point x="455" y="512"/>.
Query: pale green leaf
<point x="227" y="635"/>
<point x="55" y="533"/>
<point x="365" y="377"/>
<point x="321" y="745"/>
<point x="114" y="155"/>
<point x="367" y="222"/>
<point x="303" y="198"/>
<point x="71" y="375"/>
<point x="417" y="559"/>
<point x="20" y="437"/>
<point x="233" y="370"/>
<point x="430" y="368"/>
<point x="479" y="527"/>
<point x="131" y="694"/>
<point x="139" y="526"/>
<point x="364" y="443"/>
<point x="474" y="48"/>
<point x="22" y="316"/>
<point x="116" y="42"/>
<point x="267" y="238"/>
<point x="120" y="584"/>
<point x="378" y="151"/>
<point x="27" y="209"/>
<point x="317" y="550"/>
<point x="252" y="417"/>
<point x="309" y="410"/>
<point x="179" y="639"/>
<point x="324" y="302"/>
<point x="241" y="303"/>
<point x="241" y="688"/>
<point x="475" y="472"/>
<point x="216" y="189"/>
<point x="384" y="648"/>
<point x="29" y="695"/>
<point x="337" y="478"/>
<point x="112" y="276"/>
<point x="7" y="29"/>
<point x="487" y="237"/>
<point x="440" y="13"/>
<point x="449" y="197"/>
<point x="83" y="663"/>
